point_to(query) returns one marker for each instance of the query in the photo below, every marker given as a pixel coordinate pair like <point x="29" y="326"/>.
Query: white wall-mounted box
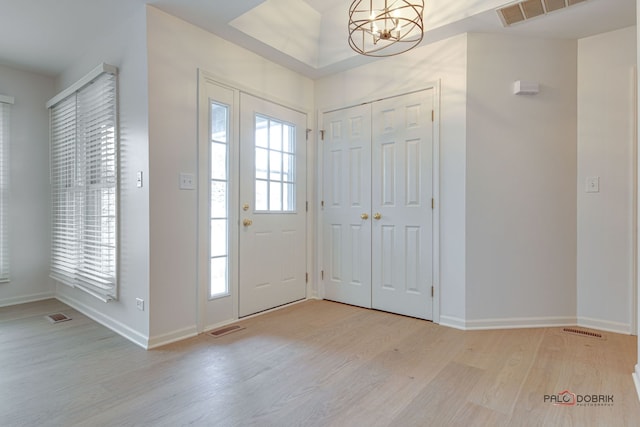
<point x="521" y="87"/>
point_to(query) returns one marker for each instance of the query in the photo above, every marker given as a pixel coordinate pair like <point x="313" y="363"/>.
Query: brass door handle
<point x="377" y="216"/>
<point x="247" y="222"/>
<point x="364" y="216"/>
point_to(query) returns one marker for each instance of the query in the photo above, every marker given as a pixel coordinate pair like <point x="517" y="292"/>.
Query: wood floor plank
<point x="413" y="362"/>
<point x="512" y="355"/>
<point x="315" y="363"/>
<point x="441" y="400"/>
<point x="583" y="366"/>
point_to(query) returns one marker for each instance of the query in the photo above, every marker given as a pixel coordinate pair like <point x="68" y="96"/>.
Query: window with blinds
<point x="84" y="181"/>
<point x="5" y="105"/>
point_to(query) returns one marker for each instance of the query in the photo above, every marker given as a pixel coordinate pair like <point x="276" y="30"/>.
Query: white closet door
<point x="347" y="205"/>
<point x="402" y="204"/>
<point x="272" y="205"/>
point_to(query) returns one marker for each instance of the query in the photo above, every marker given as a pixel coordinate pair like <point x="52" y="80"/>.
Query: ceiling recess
<point x="528" y="9"/>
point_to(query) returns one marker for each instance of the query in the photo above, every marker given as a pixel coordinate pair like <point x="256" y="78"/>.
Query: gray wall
<point x="29" y="200"/>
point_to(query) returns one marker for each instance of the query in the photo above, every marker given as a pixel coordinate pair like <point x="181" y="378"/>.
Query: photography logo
<point x="567" y="398"/>
<point x="564" y="398"/>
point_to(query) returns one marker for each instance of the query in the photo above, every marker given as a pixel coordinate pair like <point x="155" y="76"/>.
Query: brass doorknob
<point x="364" y="216"/>
<point x="377" y="215"/>
<point x="247" y="222"/>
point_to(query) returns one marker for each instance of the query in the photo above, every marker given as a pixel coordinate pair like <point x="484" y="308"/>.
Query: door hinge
<point x="322" y="135"/>
<point x="432" y="292"/>
<point x="433" y="116"/>
<point x="433" y="203"/>
<point x="306" y="277"/>
<point x="322" y="274"/>
<point x="322" y="204"/>
<point x="308" y="130"/>
<point x="307" y="206"/>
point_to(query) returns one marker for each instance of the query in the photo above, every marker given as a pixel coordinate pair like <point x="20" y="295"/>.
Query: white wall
<point x="606" y="149"/>
<point x="520" y="180"/>
<point x="29" y="198"/>
<point x="176" y="50"/>
<point x="125" y="48"/>
<point x="444" y="61"/>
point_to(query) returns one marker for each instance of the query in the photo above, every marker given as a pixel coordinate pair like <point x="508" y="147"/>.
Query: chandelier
<point x="385" y="27"/>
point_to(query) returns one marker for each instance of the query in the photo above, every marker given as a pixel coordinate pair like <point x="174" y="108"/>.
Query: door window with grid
<point x="275" y="171"/>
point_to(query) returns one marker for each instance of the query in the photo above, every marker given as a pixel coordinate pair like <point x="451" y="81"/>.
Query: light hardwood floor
<point x="312" y="364"/>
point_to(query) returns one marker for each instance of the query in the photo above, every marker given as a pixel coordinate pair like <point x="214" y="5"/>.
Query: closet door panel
<point x="347" y="197"/>
<point x="402" y="164"/>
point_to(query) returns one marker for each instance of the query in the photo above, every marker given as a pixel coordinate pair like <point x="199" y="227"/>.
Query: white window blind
<point x="84" y="179"/>
<point x="5" y="106"/>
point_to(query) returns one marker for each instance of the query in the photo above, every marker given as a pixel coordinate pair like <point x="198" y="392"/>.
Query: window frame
<point x="5" y="125"/>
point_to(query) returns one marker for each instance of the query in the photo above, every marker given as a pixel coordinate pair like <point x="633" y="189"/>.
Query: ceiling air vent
<point x="552" y="5"/>
<point x="532" y="8"/>
<point x="511" y="15"/>
<point x="528" y="9"/>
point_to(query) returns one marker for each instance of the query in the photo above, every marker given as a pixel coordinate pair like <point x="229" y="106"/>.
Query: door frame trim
<point x="204" y="76"/>
<point x="435" y="86"/>
<point x="202" y="239"/>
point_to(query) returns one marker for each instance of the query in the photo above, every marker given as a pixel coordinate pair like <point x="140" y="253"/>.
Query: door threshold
<point x="270" y="310"/>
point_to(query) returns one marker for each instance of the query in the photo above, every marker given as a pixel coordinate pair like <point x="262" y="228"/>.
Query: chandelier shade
<point x="385" y="27"/>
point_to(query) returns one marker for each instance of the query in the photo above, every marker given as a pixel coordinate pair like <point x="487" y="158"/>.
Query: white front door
<point x="272" y="205"/>
<point x="402" y="187"/>
<point x="377" y="205"/>
<point x="347" y="205"/>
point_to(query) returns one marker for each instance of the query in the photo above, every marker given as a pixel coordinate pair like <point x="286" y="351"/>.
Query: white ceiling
<point x="308" y="36"/>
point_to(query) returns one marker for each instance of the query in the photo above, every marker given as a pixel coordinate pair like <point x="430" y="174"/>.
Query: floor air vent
<point x="225" y="331"/>
<point x="57" y="318"/>
<point x="583" y="333"/>
<point x="528" y="9"/>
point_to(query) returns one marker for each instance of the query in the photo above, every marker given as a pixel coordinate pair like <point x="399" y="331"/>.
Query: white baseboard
<point x="508" y="323"/>
<point x="519" y="322"/>
<point x="636" y="379"/>
<point x="26" y="298"/>
<point x="116" y="326"/>
<point x="534" y="322"/>
<point x="171" y="337"/>
<point x="604" y="325"/>
<point x="452" y="322"/>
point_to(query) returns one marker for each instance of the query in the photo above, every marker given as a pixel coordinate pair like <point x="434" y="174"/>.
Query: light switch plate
<point x="592" y="184"/>
<point x="187" y="181"/>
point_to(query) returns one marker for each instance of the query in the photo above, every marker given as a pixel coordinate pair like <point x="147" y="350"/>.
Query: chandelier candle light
<point x="385" y="27"/>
